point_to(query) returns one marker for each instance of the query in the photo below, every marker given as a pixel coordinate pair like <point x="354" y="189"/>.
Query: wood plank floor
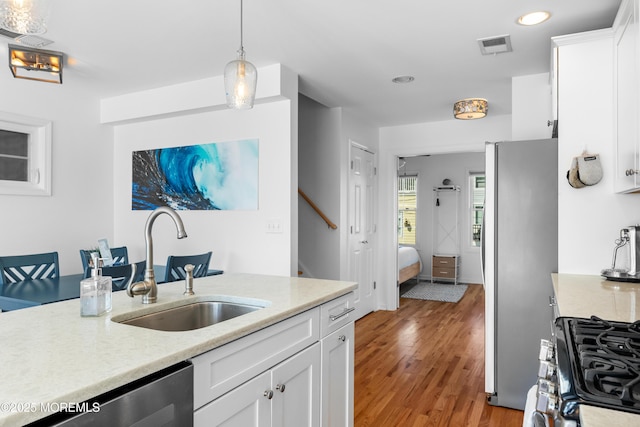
<point x="423" y="365"/>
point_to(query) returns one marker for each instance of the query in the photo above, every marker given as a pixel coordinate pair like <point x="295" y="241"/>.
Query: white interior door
<point x="362" y="227"/>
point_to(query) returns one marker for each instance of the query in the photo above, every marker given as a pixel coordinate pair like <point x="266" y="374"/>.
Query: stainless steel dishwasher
<point x="164" y="398"/>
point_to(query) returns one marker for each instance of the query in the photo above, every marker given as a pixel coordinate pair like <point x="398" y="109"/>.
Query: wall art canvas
<point x="215" y="176"/>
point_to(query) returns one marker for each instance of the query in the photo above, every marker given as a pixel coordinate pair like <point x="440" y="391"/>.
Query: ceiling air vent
<point x="33" y="41"/>
<point x="493" y="45"/>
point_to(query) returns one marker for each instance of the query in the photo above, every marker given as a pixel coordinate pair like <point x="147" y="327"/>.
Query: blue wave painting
<point x="216" y="176"/>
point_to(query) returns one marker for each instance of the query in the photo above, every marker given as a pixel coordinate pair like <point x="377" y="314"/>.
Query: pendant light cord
<point x="241" y="26"/>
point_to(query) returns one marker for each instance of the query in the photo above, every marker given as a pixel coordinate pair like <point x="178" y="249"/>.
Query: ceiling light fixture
<point x="35" y="64"/>
<point x="470" y="108"/>
<point x="240" y="79"/>
<point x="24" y="16"/>
<point x="534" y="18"/>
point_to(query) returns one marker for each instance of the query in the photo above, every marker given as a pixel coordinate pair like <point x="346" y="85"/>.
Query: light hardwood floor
<point x="423" y="365"/>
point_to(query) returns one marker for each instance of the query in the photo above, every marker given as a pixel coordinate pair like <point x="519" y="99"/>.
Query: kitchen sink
<point x="192" y="316"/>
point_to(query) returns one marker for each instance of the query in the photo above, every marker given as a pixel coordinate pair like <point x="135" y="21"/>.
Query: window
<point x="476" y="193"/>
<point x="25" y="155"/>
<point x="407" y="204"/>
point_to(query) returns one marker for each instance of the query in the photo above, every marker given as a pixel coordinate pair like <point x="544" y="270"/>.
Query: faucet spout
<point x="148" y="288"/>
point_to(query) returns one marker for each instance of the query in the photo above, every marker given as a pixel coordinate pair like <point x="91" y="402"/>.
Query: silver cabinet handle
<point x="364" y="241"/>
<point x="280" y="388"/>
<point x="344" y="313"/>
<point x="342" y="338"/>
<point x="268" y="394"/>
<point x="631" y="172"/>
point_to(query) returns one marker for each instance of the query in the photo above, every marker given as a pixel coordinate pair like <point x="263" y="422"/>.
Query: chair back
<point x="24" y="267"/>
<point x="175" y="266"/>
<point x="119" y="255"/>
<point x="121" y="274"/>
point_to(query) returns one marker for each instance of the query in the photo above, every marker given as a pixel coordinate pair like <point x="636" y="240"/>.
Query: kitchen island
<point x="584" y="296"/>
<point x="52" y="355"/>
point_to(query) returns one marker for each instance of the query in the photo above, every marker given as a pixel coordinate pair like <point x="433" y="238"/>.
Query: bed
<point x="409" y="264"/>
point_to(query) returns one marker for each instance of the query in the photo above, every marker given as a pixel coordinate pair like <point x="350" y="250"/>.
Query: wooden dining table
<point x="33" y="292"/>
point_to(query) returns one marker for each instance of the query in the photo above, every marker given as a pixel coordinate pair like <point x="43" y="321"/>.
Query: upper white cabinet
<point x="626" y="97"/>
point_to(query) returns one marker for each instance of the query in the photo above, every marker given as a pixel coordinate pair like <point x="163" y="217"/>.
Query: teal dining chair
<point x="175" y="266"/>
<point x="120" y="255"/>
<point x="17" y="268"/>
<point x="121" y="274"/>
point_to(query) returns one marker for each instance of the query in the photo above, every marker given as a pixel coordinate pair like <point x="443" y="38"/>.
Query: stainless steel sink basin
<point x="191" y="316"/>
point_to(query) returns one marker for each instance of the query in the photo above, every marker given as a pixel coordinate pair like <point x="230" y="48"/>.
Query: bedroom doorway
<point x="416" y="217"/>
<point x="362" y="188"/>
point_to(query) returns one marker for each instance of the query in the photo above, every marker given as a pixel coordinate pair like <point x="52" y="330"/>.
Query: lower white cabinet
<point x="295" y="373"/>
<point x="337" y="377"/>
<point x="286" y="395"/>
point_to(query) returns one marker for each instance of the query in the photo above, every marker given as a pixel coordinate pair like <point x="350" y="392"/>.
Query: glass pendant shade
<point x="240" y="81"/>
<point x="470" y="108"/>
<point x="24" y="16"/>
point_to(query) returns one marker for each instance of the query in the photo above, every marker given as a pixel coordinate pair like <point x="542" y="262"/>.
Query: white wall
<point x="319" y="177"/>
<point x="431" y="171"/>
<point x="79" y="210"/>
<point x="590" y="218"/>
<point x="238" y="239"/>
<point x="451" y="136"/>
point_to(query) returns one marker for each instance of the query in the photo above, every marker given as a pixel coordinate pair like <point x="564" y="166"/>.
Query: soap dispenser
<point x="95" y="291"/>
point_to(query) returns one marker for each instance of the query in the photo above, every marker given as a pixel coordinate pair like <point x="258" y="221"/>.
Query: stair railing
<point x="330" y="224"/>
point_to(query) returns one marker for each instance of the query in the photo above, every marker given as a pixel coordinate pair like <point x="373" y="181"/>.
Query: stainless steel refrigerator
<point x="520" y="251"/>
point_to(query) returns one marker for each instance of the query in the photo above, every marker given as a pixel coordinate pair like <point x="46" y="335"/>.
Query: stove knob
<point x="546" y="386"/>
<point x="546" y="350"/>
<point x="546" y="403"/>
<point x="546" y="370"/>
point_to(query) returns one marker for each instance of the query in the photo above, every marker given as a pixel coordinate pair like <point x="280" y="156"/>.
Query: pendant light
<point x="240" y="78"/>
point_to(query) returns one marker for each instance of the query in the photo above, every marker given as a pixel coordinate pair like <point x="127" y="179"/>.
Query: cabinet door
<point x="337" y="377"/>
<point x="296" y="390"/>
<point x="244" y="406"/>
<point x="626" y="99"/>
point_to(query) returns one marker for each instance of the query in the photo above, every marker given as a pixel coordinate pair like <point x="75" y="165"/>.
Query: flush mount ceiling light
<point x="24" y="16"/>
<point x="240" y="78"/>
<point x="470" y="108"/>
<point x="35" y="64"/>
<point x="534" y="18"/>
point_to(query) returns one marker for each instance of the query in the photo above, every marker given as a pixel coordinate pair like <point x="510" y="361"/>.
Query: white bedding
<point x="408" y="255"/>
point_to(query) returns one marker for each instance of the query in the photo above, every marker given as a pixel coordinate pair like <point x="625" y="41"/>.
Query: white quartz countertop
<point x="584" y="296"/>
<point x="52" y="355"/>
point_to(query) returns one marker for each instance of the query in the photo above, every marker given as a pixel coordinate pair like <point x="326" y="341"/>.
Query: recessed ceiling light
<point x="534" y="18"/>
<point x="403" y="79"/>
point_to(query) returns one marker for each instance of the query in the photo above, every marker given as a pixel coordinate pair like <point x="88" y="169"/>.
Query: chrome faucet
<point x="148" y="288"/>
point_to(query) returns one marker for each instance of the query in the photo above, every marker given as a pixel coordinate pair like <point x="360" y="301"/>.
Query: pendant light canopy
<point x="240" y="78"/>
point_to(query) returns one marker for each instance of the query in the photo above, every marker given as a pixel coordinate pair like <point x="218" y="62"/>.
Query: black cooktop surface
<point x="604" y="357"/>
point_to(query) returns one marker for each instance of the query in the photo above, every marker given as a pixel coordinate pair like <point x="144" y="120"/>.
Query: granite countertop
<point x="584" y="296"/>
<point x="52" y="355"/>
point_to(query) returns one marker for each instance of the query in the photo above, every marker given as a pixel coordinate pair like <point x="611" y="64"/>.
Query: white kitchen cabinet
<point x="284" y="396"/>
<point x="273" y="376"/>
<point x="337" y="377"/>
<point x="626" y="97"/>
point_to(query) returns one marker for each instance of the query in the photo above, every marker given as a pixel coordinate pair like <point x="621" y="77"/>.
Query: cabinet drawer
<point x="336" y="313"/>
<point x="224" y="368"/>
<point x="444" y="261"/>
<point x="448" y="273"/>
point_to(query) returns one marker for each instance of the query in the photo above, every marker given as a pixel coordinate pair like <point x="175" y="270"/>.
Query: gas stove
<point x="591" y="361"/>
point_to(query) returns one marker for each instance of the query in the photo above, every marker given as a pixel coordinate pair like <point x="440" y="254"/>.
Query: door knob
<point x="342" y="338"/>
<point x="268" y="394"/>
<point x="280" y="388"/>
